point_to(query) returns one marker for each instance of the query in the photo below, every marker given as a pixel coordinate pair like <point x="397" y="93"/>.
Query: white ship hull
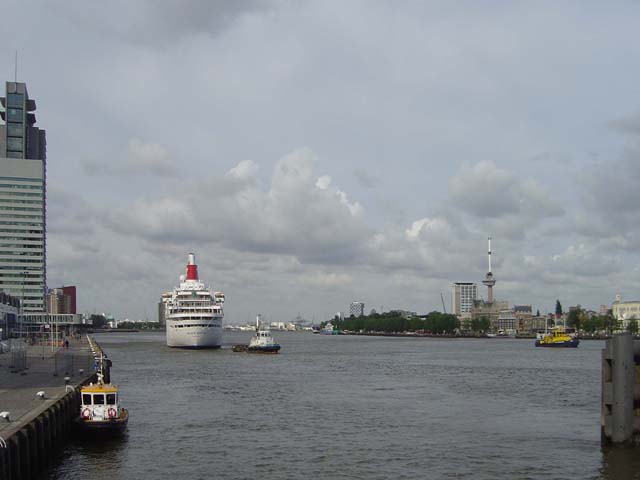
<point x="206" y="334"/>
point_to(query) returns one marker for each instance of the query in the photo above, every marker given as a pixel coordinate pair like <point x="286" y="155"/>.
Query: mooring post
<point x="618" y="385"/>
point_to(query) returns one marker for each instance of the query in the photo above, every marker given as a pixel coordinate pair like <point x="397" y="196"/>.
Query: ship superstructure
<point x="193" y="312"/>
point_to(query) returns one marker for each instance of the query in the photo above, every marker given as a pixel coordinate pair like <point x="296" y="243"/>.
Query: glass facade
<point x="15" y="100"/>
<point x="22" y="241"/>
<point x="22" y="204"/>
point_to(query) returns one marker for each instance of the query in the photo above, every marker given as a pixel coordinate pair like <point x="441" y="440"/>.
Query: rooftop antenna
<point x="16" y="68"/>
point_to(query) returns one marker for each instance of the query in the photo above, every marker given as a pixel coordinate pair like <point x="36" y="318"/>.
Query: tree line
<point x="581" y="321"/>
<point x="390" y="322"/>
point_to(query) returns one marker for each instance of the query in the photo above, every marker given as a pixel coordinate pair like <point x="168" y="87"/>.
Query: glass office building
<point x="23" y="272"/>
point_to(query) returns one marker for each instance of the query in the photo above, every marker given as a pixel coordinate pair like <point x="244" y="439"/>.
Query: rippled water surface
<point x="333" y="407"/>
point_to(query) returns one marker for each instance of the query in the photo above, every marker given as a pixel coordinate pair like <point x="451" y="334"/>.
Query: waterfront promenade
<point x="33" y="423"/>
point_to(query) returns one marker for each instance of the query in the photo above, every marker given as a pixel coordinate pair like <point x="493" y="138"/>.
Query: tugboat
<point x="329" y="329"/>
<point x="100" y="409"/>
<point x="262" y="341"/>
<point x="557" y="337"/>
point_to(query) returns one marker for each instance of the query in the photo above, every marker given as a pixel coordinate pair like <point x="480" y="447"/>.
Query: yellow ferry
<point x="557" y="337"/>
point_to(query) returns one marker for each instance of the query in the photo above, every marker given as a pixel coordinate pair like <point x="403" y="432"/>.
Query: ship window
<point x="98" y="399"/>
<point x="86" y="399"/>
<point x="111" y="398"/>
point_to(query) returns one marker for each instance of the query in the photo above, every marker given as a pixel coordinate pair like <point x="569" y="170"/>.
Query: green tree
<point x="574" y="318"/>
<point x="481" y="324"/>
<point x="612" y="322"/>
<point x="632" y="326"/>
<point x="98" y="321"/>
<point x="558" y="309"/>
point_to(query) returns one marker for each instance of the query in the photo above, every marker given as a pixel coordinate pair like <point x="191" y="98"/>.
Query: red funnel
<point x="192" y="268"/>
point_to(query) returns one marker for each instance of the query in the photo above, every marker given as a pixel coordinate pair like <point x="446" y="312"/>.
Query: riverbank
<point x="460" y="336"/>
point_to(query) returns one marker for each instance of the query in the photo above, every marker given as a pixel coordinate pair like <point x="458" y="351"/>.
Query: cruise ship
<point x="193" y="312"/>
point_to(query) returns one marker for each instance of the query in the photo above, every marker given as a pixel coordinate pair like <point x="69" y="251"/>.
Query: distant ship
<point x="193" y="312"/>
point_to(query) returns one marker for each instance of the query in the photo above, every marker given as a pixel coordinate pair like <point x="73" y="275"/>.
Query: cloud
<point x="148" y="158"/>
<point x="68" y="213"/>
<point x="300" y="214"/>
<point x="396" y="101"/>
<point x="628" y="125"/>
<point x="327" y="279"/>
<point x="365" y="178"/>
<point x="159" y="23"/>
<point x="486" y="191"/>
<point x="141" y="158"/>
<point x="245" y="170"/>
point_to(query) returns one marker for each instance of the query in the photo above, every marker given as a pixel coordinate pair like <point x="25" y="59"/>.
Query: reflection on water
<point x="103" y="457"/>
<point x="620" y="463"/>
<point x="335" y="407"/>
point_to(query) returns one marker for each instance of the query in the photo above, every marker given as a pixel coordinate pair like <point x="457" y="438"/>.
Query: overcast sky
<point x="315" y="153"/>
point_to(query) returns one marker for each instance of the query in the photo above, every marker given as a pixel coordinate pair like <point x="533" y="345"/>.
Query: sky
<point x="316" y="153"/>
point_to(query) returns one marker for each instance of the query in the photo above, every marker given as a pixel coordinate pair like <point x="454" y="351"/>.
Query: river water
<point x="347" y="407"/>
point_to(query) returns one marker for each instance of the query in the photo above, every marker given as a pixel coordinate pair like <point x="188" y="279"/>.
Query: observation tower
<point x="489" y="281"/>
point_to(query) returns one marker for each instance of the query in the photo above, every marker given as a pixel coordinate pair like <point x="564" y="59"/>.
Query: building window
<point x="14" y="130"/>
<point x="15" y="100"/>
<point x="14" y="144"/>
<point x="15" y="115"/>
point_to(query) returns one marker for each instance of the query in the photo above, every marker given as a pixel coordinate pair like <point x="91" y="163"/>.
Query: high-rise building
<point x="356" y="309"/>
<point x="61" y="300"/>
<point x="463" y="296"/>
<point x="70" y="296"/>
<point x="23" y="272"/>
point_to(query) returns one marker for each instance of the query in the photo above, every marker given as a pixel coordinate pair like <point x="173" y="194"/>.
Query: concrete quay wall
<point x="38" y="426"/>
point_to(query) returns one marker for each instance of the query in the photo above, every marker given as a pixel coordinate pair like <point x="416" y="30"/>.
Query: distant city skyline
<point x="315" y="153"/>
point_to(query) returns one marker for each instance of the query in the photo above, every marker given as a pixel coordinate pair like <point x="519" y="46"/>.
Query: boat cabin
<point x="99" y="402"/>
